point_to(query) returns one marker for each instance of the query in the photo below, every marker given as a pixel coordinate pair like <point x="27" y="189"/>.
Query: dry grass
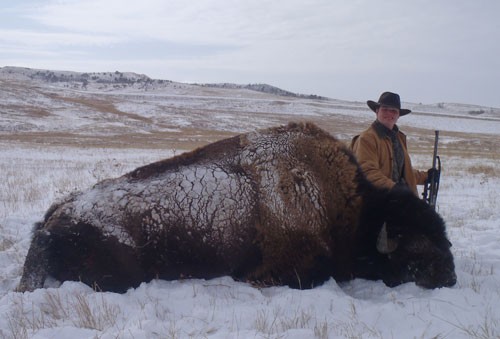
<point x="128" y="129"/>
<point x="184" y="139"/>
<point x="84" y="310"/>
<point x="271" y="325"/>
<point x="420" y="142"/>
<point x="5" y="243"/>
<point x="484" y="169"/>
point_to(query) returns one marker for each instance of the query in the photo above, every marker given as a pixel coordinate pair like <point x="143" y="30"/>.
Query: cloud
<point x="326" y="47"/>
<point x="175" y="20"/>
<point x="37" y="38"/>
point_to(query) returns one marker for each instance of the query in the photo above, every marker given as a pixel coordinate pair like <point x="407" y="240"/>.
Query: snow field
<point x="222" y="308"/>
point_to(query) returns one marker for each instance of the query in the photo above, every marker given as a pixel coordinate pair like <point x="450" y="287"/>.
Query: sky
<point x="427" y="51"/>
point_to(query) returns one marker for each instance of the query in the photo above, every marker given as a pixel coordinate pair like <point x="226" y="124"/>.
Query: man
<point x="381" y="149"/>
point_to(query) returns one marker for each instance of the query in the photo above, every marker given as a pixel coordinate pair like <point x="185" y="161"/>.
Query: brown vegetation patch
<point x="421" y="141"/>
<point x="99" y="105"/>
<point x="487" y="170"/>
<point x="185" y="139"/>
<point x="27" y="111"/>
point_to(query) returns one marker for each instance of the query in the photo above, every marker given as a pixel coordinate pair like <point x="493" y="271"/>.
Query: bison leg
<point x="80" y="253"/>
<point x="35" y="269"/>
<point x="296" y="259"/>
<point x="84" y="254"/>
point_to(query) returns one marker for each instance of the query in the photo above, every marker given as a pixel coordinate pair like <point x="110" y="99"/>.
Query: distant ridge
<point x="116" y="81"/>
<point x="83" y="79"/>
<point x="126" y="103"/>
<point x="78" y="77"/>
<point x="264" y="88"/>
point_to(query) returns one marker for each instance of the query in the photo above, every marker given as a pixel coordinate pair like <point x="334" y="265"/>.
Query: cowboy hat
<point x="388" y="99"/>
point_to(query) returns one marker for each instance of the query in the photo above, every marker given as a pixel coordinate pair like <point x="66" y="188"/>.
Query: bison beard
<point x="286" y="205"/>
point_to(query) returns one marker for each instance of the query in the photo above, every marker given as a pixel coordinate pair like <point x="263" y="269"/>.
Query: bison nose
<point x="451" y="281"/>
<point x="448" y="281"/>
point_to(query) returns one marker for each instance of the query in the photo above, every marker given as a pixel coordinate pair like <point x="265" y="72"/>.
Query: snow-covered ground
<point x="223" y="308"/>
<point x="34" y="175"/>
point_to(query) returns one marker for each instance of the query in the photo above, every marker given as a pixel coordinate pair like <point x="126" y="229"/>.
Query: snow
<point x="223" y="308"/>
<point x="36" y="176"/>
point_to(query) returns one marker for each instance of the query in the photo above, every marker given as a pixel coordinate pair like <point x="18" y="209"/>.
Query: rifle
<point x="432" y="184"/>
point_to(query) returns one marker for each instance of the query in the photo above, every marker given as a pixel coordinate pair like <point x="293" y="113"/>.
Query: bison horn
<point x="384" y="244"/>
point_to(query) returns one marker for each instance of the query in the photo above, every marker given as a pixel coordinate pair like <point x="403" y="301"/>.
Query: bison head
<point x="412" y="243"/>
<point x="421" y="260"/>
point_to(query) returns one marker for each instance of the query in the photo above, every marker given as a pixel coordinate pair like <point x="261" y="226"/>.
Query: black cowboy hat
<point x="388" y="99"/>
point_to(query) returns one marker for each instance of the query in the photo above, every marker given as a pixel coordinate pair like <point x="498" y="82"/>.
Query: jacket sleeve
<point x="420" y="176"/>
<point x="366" y="150"/>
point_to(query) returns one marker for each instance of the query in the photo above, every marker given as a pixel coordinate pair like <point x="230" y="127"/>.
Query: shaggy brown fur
<point x="286" y="205"/>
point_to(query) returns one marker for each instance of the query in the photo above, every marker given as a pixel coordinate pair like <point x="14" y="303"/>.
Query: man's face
<point x="388" y="116"/>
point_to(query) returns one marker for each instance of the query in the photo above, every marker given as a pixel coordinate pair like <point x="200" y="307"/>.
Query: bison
<point x="287" y="205"/>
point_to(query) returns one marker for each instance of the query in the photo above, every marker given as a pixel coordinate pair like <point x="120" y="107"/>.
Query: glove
<point x="432" y="173"/>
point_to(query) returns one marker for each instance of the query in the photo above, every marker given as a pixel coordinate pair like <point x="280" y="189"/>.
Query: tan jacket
<point x="374" y="153"/>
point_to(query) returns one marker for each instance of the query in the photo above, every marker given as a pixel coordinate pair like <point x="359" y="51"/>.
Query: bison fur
<point x="282" y="206"/>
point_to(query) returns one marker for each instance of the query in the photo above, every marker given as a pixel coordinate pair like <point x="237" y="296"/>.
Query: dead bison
<point x="286" y="205"/>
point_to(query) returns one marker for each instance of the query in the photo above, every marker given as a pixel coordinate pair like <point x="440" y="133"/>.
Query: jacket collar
<point x="383" y="131"/>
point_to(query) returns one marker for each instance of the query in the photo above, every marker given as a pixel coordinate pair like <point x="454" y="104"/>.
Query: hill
<point x="132" y="110"/>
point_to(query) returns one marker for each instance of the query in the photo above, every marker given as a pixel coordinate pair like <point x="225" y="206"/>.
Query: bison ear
<point x="385" y="245"/>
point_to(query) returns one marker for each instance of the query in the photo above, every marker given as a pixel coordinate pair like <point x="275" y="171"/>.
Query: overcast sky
<point x="428" y="51"/>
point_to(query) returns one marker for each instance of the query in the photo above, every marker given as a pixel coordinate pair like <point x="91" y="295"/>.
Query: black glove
<point x="432" y="173"/>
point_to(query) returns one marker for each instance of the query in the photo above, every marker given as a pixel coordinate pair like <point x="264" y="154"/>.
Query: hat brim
<point x="375" y="105"/>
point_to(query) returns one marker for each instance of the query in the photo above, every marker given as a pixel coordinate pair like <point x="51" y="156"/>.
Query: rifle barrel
<point x="434" y="157"/>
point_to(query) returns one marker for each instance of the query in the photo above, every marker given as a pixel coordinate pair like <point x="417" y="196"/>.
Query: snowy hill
<point x="120" y="80"/>
<point x="116" y="103"/>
